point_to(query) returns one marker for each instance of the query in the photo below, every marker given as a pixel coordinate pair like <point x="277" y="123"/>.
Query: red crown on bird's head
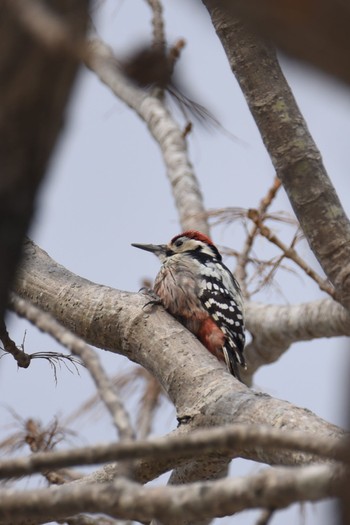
<point x="194" y="234"/>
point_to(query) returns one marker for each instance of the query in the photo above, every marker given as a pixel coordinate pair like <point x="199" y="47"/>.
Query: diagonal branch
<point x="292" y="150"/>
<point x="289" y="252"/>
<point x="243" y="257"/>
<point x="163" y="128"/>
<point x="115" y="321"/>
<point x="48" y="324"/>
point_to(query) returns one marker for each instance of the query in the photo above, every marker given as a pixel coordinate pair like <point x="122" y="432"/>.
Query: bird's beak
<point x="157" y="249"/>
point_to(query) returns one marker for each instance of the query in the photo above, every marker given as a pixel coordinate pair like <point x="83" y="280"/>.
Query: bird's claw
<point x="155" y="301"/>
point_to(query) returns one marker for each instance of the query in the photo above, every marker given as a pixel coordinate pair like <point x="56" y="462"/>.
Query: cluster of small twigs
<point x="32" y="433"/>
<point x="267" y="269"/>
<point x="150" y="395"/>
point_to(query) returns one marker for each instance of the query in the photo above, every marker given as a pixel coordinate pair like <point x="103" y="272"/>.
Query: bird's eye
<point x="178" y="243"/>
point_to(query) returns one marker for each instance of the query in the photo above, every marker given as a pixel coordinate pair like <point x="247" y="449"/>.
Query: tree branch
<point x="157" y="24"/>
<point x="49" y="29"/>
<point x="152" y="110"/>
<point x="232" y="441"/>
<point x="290" y="253"/>
<point x="48" y="324"/>
<point x="275" y="488"/>
<point x="243" y="257"/>
<point x="291" y="147"/>
<point x="116" y="321"/>
<point x="22" y="359"/>
<point x="275" y="328"/>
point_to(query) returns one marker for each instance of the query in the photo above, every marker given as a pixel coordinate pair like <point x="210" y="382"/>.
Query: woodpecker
<point x="196" y="288"/>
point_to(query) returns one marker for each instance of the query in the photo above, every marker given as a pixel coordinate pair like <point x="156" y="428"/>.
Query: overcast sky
<point x="107" y="188"/>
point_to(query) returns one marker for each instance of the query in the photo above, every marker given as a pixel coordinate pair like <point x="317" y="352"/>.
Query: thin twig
<point x="242" y="260"/>
<point x="158" y="25"/>
<point x="159" y="47"/>
<point x="48" y="324"/>
<point x="175" y="51"/>
<point x="277" y="263"/>
<point x="41" y="439"/>
<point x="290" y="253"/>
<point x="265" y="517"/>
<point x="23" y="359"/>
<point x="151" y="395"/>
<point x="254" y="260"/>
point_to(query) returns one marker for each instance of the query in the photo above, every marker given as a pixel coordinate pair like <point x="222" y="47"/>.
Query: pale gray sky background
<point x="107" y="188"/>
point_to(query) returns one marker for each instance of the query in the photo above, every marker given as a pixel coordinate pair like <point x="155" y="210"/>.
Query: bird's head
<point x="188" y="242"/>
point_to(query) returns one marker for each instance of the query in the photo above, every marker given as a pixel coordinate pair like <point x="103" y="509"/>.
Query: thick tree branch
<point x="35" y="85"/>
<point x="274" y="488"/>
<point x="291" y="147"/>
<point x="275" y="328"/>
<point x="117" y="322"/>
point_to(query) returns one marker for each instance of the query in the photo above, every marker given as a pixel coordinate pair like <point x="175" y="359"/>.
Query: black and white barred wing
<point x="221" y="297"/>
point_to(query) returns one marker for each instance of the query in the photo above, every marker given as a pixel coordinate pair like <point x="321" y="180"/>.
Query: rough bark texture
<point x="292" y="150"/>
<point x="200" y="388"/>
<point x="276" y="327"/>
<point x="35" y="85"/>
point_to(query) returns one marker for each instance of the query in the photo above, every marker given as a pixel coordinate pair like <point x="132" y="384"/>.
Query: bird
<point x="196" y="288"/>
